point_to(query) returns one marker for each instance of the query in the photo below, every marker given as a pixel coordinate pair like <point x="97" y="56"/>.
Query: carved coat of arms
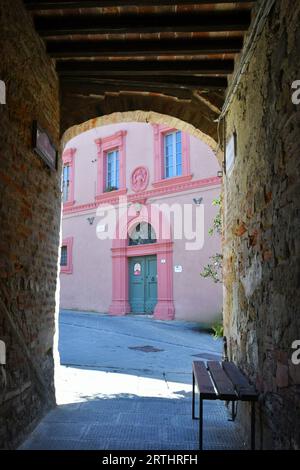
<point x="139" y="179"/>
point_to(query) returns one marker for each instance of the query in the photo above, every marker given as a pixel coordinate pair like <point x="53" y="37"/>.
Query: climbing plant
<point x="218" y="330"/>
<point x="213" y="270"/>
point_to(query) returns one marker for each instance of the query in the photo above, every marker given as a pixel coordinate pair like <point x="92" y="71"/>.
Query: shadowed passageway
<point x="125" y="383"/>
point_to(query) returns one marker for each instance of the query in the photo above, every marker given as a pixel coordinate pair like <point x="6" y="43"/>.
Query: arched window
<point x="142" y="234"/>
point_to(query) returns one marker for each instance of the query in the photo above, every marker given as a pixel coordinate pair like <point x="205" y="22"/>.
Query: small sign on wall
<point x="178" y="268"/>
<point x="230" y="153"/>
<point x="101" y="228"/>
<point x="43" y="146"/>
<point x="137" y="269"/>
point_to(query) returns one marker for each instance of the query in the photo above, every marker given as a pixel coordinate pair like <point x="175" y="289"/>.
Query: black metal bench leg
<point x="253" y="425"/>
<point x="193" y="398"/>
<point x="233" y="410"/>
<point x="200" y="423"/>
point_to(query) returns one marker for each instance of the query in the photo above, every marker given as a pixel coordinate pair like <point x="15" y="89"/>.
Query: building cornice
<point x="113" y="197"/>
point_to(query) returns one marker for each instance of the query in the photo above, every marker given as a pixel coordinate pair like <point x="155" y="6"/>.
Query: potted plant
<point x="108" y="189"/>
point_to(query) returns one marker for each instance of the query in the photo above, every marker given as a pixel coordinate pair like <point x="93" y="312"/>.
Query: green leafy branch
<point x="213" y="269"/>
<point x="217" y="222"/>
<point x="218" y="330"/>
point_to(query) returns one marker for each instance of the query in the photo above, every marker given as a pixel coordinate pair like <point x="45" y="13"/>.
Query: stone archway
<point x="195" y="117"/>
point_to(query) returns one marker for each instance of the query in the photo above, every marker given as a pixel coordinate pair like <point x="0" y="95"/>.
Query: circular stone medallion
<point x="139" y="179"/>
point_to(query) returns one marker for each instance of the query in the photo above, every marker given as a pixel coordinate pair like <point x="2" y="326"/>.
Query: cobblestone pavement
<point x="125" y="383"/>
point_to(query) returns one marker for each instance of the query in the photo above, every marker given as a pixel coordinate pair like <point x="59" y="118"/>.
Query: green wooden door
<point x="137" y="284"/>
<point x="150" y="284"/>
<point x="142" y="284"/>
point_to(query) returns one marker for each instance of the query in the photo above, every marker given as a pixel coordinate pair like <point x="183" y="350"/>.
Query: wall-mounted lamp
<point x="198" y="201"/>
<point x="220" y="174"/>
<point x="90" y="220"/>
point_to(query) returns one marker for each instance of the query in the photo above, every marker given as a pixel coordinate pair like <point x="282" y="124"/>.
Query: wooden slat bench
<point x="222" y="381"/>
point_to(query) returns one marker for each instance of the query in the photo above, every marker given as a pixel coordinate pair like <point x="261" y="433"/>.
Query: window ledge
<point x="171" y="181"/>
<point x="69" y="203"/>
<point x="66" y="270"/>
<point x="110" y="195"/>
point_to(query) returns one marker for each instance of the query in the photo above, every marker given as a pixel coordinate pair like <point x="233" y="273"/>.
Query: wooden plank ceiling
<point x="178" y="48"/>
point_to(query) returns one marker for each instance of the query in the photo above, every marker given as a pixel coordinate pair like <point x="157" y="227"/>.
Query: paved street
<point x="125" y="383"/>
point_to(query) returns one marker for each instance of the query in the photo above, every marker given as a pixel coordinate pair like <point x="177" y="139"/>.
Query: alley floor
<point x="125" y="383"/>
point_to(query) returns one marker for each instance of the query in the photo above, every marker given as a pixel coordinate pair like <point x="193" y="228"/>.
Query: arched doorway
<point x="142" y="270"/>
<point x="155" y="257"/>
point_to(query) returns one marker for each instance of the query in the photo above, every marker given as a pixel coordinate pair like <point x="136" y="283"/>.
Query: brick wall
<point x="261" y="224"/>
<point x="29" y="231"/>
<point x="262" y="249"/>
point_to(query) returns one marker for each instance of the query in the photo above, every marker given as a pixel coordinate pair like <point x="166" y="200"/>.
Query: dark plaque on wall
<point x="43" y="146"/>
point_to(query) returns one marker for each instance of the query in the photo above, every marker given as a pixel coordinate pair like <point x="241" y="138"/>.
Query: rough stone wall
<point x="262" y="232"/>
<point x="29" y="231"/>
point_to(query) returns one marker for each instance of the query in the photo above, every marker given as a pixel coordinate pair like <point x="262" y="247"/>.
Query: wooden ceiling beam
<point x="101" y="88"/>
<point x="176" y="47"/>
<point x="145" y="67"/>
<point x="40" y="5"/>
<point x="49" y="26"/>
<point x="192" y="83"/>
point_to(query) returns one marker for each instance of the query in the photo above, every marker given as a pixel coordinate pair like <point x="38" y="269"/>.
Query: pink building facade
<point x="136" y="215"/>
